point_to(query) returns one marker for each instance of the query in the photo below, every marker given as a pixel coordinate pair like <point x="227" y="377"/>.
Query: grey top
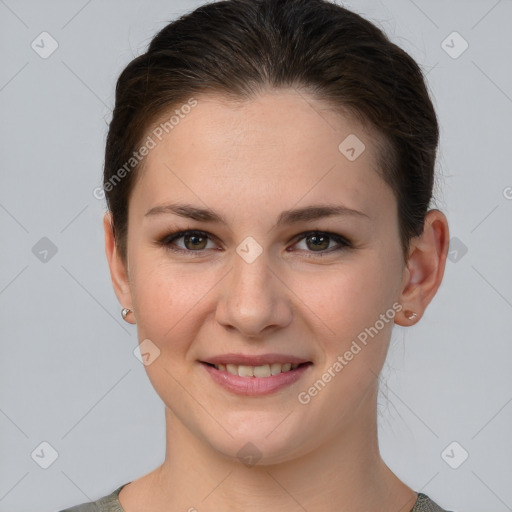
<point x="111" y="503"/>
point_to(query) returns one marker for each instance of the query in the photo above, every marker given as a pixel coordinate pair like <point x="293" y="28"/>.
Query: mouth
<point x="261" y="371"/>
<point x="262" y="378"/>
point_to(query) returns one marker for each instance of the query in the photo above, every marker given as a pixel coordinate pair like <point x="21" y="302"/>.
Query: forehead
<point x="280" y="146"/>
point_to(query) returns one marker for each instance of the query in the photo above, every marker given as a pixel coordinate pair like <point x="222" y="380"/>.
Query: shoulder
<point x="425" y="504"/>
<point x="108" y="503"/>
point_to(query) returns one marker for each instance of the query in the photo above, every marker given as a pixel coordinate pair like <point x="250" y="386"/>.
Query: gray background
<point x="68" y="375"/>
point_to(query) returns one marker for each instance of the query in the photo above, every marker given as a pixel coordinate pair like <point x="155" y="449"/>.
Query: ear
<point x="118" y="268"/>
<point x="425" y="268"/>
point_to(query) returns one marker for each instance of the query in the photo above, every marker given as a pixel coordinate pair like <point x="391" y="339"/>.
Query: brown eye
<point x="317" y="242"/>
<point x="195" y="241"/>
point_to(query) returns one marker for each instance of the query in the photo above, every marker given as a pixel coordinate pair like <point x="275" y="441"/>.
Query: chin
<point x="260" y="439"/>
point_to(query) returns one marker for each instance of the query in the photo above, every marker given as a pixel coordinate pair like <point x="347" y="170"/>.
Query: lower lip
<point x="255" y="386"/>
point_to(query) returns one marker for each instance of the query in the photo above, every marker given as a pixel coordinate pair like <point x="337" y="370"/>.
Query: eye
<point x="319" y="241"/>
<point x="193" y="240"/>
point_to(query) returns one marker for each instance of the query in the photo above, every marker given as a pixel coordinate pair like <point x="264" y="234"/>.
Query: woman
<point x="268" y="173"/>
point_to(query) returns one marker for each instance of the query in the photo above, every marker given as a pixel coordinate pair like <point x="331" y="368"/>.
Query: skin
<point x="249" y="162"/>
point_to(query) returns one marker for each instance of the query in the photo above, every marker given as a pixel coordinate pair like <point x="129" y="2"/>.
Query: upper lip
<point x="255" y="360"/>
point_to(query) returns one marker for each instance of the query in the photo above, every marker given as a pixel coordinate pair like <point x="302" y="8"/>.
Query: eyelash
<point x="167" y="242"/>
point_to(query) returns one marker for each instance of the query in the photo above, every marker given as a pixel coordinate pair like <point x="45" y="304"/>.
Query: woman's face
<point x="256" y="283"/>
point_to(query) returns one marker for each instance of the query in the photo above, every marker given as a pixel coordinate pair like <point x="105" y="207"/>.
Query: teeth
<point x="246" y="371"/>
<point x="261" y="371"/>
<point x="265" y="370"/>
<point x="275" y="368"/>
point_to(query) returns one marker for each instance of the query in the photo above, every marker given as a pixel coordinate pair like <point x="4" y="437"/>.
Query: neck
<point x="342" y="474"/>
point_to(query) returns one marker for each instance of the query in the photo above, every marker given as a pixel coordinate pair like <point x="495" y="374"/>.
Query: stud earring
<point x="411" y="314"/>
<point x="124" y="312"/>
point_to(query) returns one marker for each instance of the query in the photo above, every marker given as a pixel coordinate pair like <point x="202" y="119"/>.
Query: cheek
<point x="166" y="299"/>
<point x="354" y="338"/>
<point x="347" y="302"/>
<point x="346" y="298"/>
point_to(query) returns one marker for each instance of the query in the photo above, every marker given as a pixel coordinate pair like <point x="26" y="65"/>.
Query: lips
<point x="258" y="374"/>
<point x="255" y="380"/>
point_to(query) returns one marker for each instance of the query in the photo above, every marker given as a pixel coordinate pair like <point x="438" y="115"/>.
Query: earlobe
<point x="117" y="267"/>
<point x="425" y="268"/>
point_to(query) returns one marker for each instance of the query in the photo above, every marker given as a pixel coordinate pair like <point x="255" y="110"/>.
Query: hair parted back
<point x="239" y="48"/>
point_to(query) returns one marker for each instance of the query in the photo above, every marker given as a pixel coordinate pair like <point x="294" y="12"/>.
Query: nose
<point x="254" y="300"/>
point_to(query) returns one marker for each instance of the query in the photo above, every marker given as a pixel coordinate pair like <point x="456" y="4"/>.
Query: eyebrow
<point x="287" y="217"/>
